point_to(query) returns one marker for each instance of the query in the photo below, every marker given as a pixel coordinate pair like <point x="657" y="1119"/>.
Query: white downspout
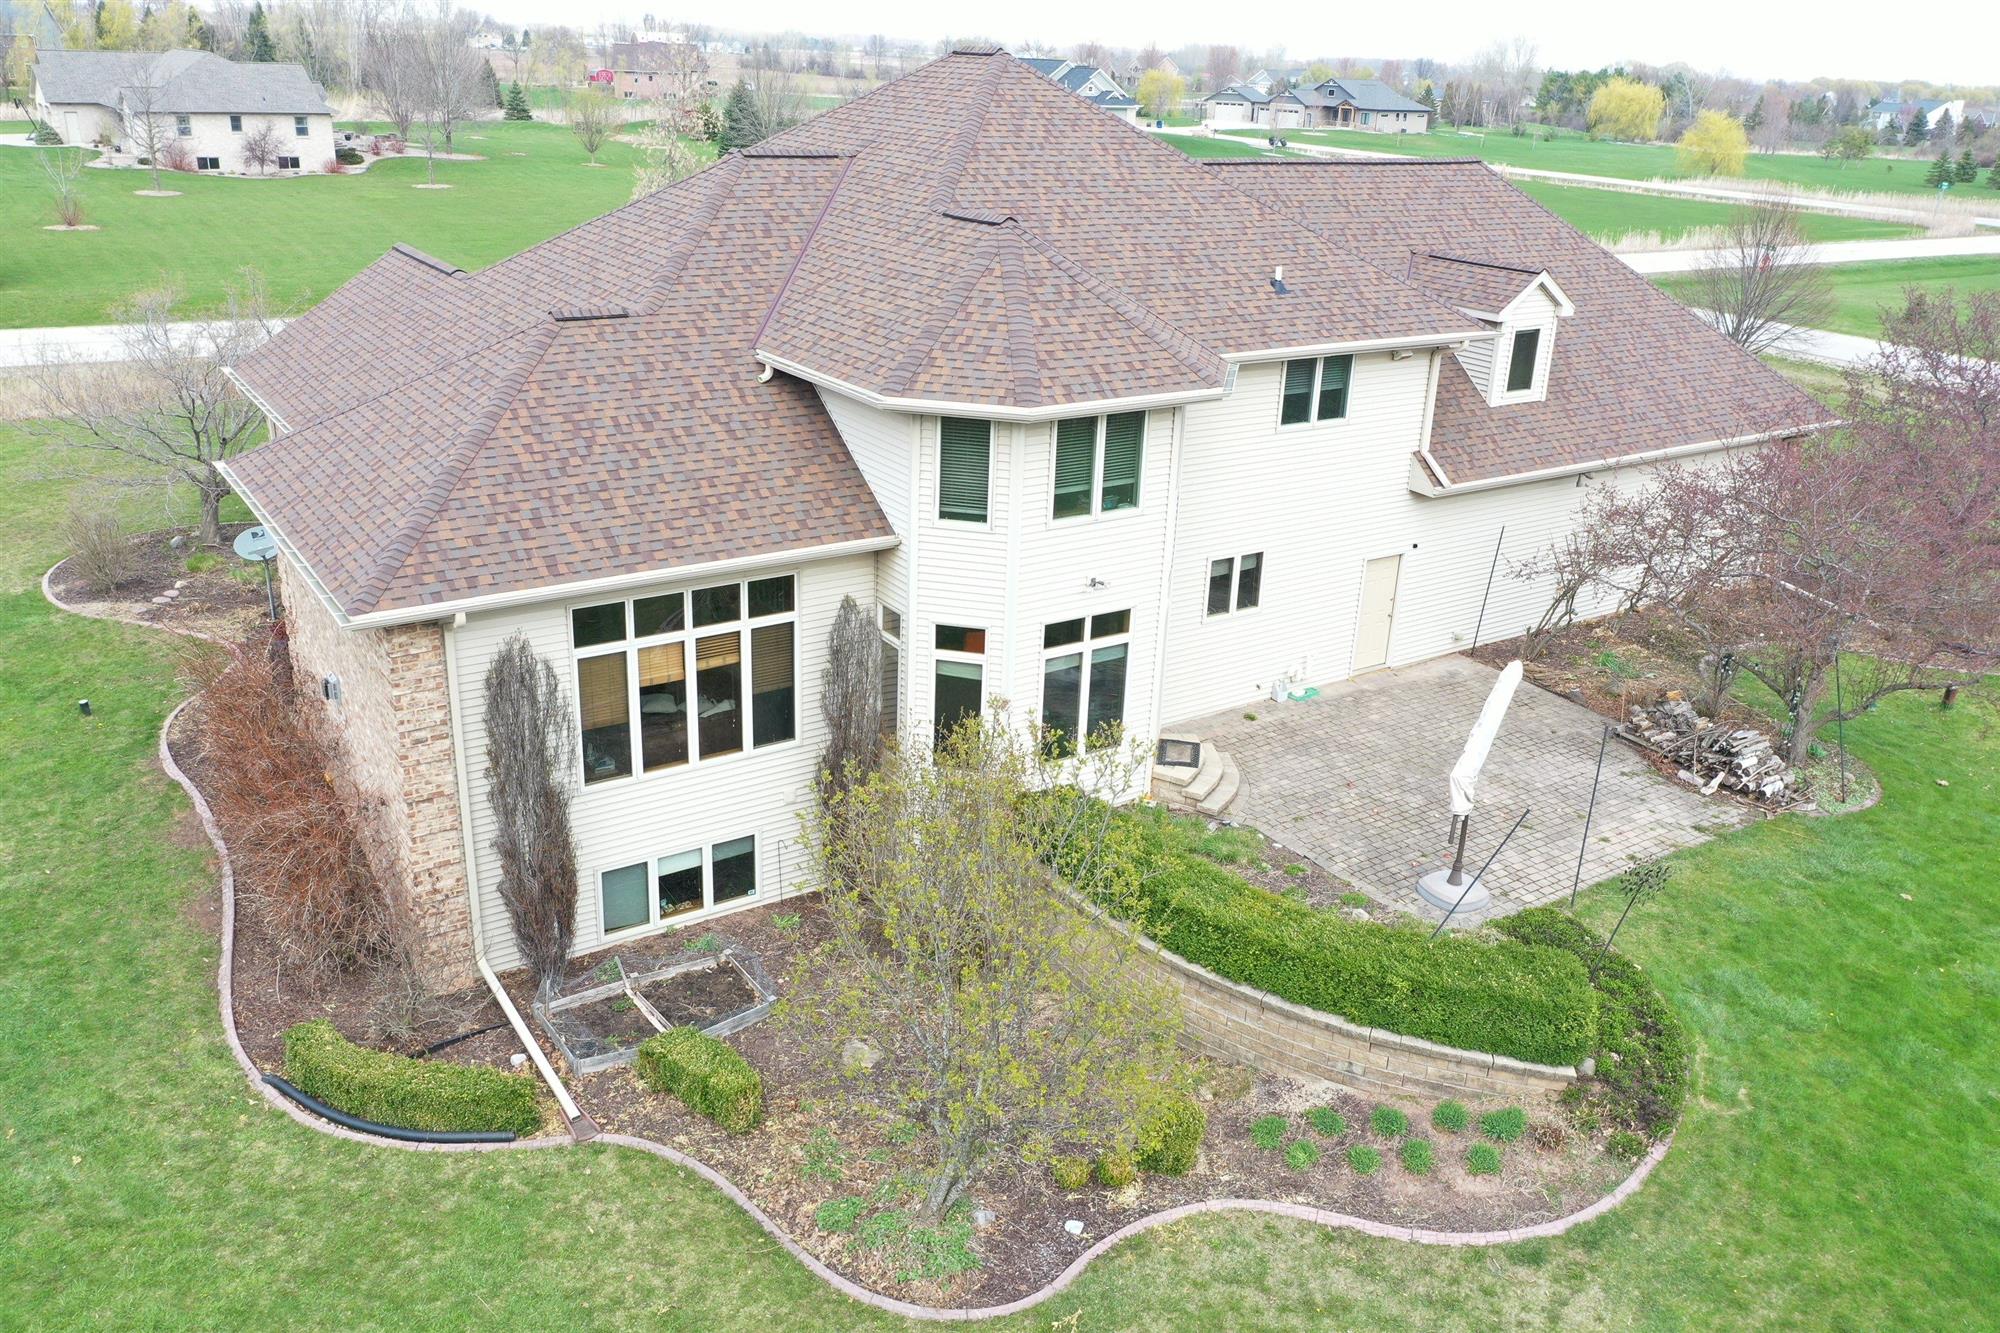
<point x="581" y="1126"/>
<point x="1176" y="447"/>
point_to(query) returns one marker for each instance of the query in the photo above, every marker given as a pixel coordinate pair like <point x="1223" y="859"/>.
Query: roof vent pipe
<point x="1278" y="280"/>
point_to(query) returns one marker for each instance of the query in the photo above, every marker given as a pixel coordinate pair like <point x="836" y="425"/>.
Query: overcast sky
<point x="1752" y="38"/>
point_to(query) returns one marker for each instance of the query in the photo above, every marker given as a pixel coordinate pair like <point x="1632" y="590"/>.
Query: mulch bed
<point x="225" y="599"/>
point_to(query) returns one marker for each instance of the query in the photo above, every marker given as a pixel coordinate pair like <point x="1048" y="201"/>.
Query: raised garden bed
<point x="601" y="1013"/>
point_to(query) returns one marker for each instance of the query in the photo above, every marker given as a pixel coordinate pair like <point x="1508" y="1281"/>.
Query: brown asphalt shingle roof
<point x="970" y="235"/>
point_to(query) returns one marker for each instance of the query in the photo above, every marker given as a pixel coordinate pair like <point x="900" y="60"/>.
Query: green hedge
<point x="1526" y="1001"/>
<point x="705" y="1073"/>
<point x="409" y="1094"/>
<point x="1644" y="1057"/>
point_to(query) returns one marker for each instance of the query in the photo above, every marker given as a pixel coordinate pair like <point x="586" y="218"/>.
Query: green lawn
<point x="306" y="235"/>
<point x="1195" y="146"/>
<point x="1572" y="151"/>
<point x="1837" y="1170"/>
<point x="1609" y="214"/>
<point x="1861" y="292"/>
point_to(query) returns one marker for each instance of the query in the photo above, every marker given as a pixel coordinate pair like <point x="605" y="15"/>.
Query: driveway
<point x="1355" y="779"/>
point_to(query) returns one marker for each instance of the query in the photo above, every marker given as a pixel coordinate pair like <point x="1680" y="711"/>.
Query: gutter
<point x="986" y="411"/>
<point x="1444" y="341"/>
<point x="1423" y="462"/>
<point x="256" y="400"/>
<point x="581" y="1126"/>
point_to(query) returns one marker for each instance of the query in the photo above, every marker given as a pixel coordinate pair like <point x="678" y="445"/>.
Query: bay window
<point x="634" y="660"/>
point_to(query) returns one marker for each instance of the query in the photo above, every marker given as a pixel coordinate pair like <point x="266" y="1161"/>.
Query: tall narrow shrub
<point x="528" y="749"/>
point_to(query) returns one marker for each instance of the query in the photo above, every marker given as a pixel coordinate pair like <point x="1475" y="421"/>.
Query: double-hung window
<point x="1521" y="361"/>
<point x="1098" y="461"/>
<point x="299" y="126"/>
<point x="236" y="124"/>
<point x="1083" y="680"/>
<point x="958" y="679"/>
<point x="685" y="664"/>
<point x="682" y="883"/>
<point x="184" y="126"/>
<point x="1235" y="583"/>
<point x="965" y="466"/>
<point x="1316" y="389"/>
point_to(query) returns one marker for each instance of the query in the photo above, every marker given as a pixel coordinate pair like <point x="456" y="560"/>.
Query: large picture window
<point x="1083" y="680"/>
<point x="1316" y="390"/>
<point x="683" y="883"/>
<point x="661" y="680"/>
<point x="1098" y="462"/>
<point x="965" y="465"/>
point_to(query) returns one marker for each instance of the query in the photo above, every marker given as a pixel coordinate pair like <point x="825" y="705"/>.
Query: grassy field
<point x="1842" y="978"/>
<point x="306" y="234"/>
<point x="1572" y="151"/>
<point x="1861" y="292"/>
<point x="1610" y="214"/>
<point x="1203" y="147"/>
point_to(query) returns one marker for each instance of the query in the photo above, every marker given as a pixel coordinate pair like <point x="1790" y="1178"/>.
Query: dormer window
<point x="1521" y="363"/>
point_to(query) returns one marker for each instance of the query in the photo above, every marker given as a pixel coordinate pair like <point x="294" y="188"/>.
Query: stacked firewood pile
<point x="1713" y="755"/>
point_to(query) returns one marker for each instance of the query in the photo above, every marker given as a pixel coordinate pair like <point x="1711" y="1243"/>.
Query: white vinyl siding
<point x="758" y="793"/>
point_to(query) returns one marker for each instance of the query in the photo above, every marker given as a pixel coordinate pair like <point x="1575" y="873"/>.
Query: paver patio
<point x="1355" y="779"/>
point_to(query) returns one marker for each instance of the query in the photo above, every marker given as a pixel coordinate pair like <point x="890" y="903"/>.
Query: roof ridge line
<point x="654" y="294"/>
<point x="965" y="138"/>
<point x="442" y="483"/>
<point x="1023" y="347"/>
<point x="920" y="349"/>
<point x="1127" y="307"/>
<point x="805" y="247"/>
<point x="1476" y="263"/>
<point x="503" y="335"/>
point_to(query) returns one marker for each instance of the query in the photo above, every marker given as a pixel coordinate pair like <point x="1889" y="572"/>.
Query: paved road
<point x="82" y="342"/>
<point x="1831" y="252"/>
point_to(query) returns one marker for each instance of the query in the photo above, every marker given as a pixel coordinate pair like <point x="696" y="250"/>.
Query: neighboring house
<point x="1238" y="104"/>
<point x="638" y="69"/>
<point x="1264" y="80"/>
<point x="913" y="352"/>
<point x="1899" y="111"/>
<point x="204" y="103"/>
<point x="1094" y="85"/>
<point x="1350" y="104"/>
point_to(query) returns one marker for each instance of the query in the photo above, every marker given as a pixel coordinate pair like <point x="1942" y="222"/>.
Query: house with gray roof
<point x="191" y="106"/>
<point x="1083" y="423"/>
<point x="1089" y="82"/>
<point x="1350" y="104"/>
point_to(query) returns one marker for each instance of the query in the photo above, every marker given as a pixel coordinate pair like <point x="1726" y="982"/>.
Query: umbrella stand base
<point x="1434" y="889"/>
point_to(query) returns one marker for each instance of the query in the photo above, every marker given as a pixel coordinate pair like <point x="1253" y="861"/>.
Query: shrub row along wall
<point x="409" y="1094"/>
<point x="1521" y="1000"/>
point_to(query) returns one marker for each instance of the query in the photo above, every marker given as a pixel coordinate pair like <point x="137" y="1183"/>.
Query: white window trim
<point x="630" y="647"/>
<point x="301" y="128"/>
<point x="894" y="639"/>
<point x="1097" y="511"/>
<point x="1503" y="364"/>
<point x="937" y="478"/>
<point x="1319" y="369"/>
<point x="1086" y="646"/>
<point x="1235" y="584"/>
<point x="937" y="654"/>
<point x="654" y="922"/>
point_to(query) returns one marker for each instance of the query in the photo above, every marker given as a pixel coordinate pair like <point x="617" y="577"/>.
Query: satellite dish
<point x="256" y="545"/>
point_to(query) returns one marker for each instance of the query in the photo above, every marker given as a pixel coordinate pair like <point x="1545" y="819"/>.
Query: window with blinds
<point x="1334" y="374"/>
<point x="1088" y="448"/>
<point x="965" y="461"/>
<point x="1316" y="389"/>
<point x="678" y="663"/>
<point x="1124" y="455"/>
<point x="1076" y="466"/>
<point x="1298" y="393"/>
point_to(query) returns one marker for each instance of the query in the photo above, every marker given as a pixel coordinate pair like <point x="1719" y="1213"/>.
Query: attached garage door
<point x="1229" y="113"/>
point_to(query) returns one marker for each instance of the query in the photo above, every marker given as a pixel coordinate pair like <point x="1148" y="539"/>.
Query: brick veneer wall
<point x="1230" y="1021"/>
<point x="393" y="719"/>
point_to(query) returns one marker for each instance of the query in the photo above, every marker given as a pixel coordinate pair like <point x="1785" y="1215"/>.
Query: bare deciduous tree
<point x="394" y="72"/>
<point x="176" y="413"/>
<point x="63" y="169"/>
<point x="1757" y="288"/>
<point x="667" y="143"/>
<point x="262" y="145"/>
<point x="450" y="82"/>
<point x="850" y="697"/>
<point x="148" y="129"/>
<point x="592" y="116"/>
<point x="529" y="746"/>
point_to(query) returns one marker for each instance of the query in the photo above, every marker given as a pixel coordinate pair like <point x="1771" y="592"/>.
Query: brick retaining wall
<point x="1230" y="1021"/>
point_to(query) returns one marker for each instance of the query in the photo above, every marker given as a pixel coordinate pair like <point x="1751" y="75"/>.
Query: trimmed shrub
<point x="705" y="1073"/>
<point x="1504" y="1126"/>
<point x="1520" y="1000"/>
<point x="1482" y="1159"/>
<point x="347" y="156"/>
<point x="1451" y="1117"/>
<point x="1418" y="1156"/>
<point x="1071" y="1173"/>
<point x="1301" y="1154"/>
<point x="1389" y="1122"/>
<point x="1115" y="1170"/>
<point x="409" y="1094"/>
<point x="1268" y="1132"/>
<point x="1644" y="1057"/>
<point x="1325" y="1120"/>
<point x="1169" y="1135"/>
<point x="1364" y="1159"/>
<point x="839" y="1215"/>
<point x="1624" y="1143"/>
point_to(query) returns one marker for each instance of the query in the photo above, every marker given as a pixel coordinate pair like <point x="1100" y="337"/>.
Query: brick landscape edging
<point x="845" y="1286"/>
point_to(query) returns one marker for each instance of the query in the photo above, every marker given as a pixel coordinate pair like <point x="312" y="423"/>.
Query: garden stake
<point x="1481" y="622"/>
<point x="1589" y="810"/>
<point x="1482" y="873"/>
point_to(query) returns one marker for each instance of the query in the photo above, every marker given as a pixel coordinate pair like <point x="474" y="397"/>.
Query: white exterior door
<point x="69" y="127"/>
<point x="1378" y="612"/>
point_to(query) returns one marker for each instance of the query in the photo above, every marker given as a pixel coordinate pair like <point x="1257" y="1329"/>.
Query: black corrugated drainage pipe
<point x="339" y="1117"/>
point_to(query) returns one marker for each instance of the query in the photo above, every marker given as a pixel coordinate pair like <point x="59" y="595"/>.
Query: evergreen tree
<point x="200" y="37"/>
<point x="1993" y="177"/>
<point x="489" y="86"/>
<point x="517" y="104"/>
<point x="1755" y="120"/>
<point x="1968" y="170"/>
<point x="742" y="120"/>
<point x="257" y="43"/>
<point x="1920" y="128"/>
<point x="1942" y="131"/>
<point x="1940" y="171"/>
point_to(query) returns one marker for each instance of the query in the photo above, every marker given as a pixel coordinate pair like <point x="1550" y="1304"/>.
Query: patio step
<point x="1208" y="790"/>
<point x="1223" y="796"/>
